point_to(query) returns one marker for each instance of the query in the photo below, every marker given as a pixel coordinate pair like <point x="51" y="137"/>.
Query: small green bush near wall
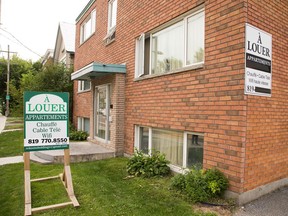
<point x="148" y="166"/>
<point x="201" y="185"/>
<point x="78" y="135"/>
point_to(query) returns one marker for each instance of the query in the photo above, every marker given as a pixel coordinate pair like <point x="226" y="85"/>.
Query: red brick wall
<point x="210" y="99"/>
<point x="81" y="103"/>
<point x="267" y="128"/>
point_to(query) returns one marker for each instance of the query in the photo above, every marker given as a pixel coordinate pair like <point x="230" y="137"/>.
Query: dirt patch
<point x="218" y="210"/>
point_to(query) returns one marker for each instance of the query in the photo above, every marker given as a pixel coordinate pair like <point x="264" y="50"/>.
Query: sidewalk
<point x="8" y="160"/>
<point x="11" y="160"/>
<point x="2" y="122"/>
<point x="273" y="204"/>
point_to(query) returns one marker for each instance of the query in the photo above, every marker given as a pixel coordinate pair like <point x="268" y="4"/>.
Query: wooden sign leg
<point x="67" y="178"/>
<point x="27" y="184"/>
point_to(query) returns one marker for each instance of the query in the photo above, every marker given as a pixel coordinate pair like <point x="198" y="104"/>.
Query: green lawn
<point x="14" y="123"/>
<point x="11" y="143"/>
<point x="100" y="187"/>
<point x="13" y="126"/>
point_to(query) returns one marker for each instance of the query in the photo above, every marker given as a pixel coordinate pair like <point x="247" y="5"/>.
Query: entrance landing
<point x="79" y="152"/>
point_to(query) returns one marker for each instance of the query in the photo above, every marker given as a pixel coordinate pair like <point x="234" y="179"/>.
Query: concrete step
<point x="35" y="158"/>
<point x="79" y="152"/>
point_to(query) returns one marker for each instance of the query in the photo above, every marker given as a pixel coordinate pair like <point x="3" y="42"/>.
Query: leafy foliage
<point x="28" y="76"/>
<point x="78" y="135"/>
<point x="201" y="185"/>
<point x="148" y="165"/>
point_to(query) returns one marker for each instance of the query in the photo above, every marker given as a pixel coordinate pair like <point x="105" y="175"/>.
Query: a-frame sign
<point x="46" y="118"/>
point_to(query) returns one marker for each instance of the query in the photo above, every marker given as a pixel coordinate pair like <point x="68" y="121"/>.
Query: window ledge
<point x="178" y="169"/>
<point x="193" y="67"/>
<point x="79" y="92"/>
<point x="110" y="37"/>
<point x="81" y="43"/>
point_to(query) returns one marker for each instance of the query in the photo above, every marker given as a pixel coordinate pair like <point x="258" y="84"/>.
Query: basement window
<point x="181" y="148"/>
<point x="83" y="124"/>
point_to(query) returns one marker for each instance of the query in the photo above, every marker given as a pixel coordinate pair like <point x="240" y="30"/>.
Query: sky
<point x="34" y="24"/>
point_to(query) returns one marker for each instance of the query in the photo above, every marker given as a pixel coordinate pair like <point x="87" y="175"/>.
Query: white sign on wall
<point x="258" y="62"/>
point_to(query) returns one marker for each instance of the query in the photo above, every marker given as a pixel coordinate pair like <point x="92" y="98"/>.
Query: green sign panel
<point x="46" y="119"/>
<point x="7" y="97"/>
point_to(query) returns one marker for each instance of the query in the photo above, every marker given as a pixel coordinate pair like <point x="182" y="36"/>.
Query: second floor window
<point x="171" y="47"/>
<point x="112" y="15"/>
<point x="88" y="27"/>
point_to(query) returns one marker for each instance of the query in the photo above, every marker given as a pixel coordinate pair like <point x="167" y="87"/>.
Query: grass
<point x="14" y="120"/>
<point x="100" y="187"/>
<point x="14" y="123"/>
<point x="11" y="143"/>
<point x="13" y="126"/>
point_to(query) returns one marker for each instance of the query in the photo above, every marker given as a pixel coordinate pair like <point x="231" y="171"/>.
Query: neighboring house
<point x="65" y="44"/>
<point x="170" y="76"/>
<point x="47" y="59"/>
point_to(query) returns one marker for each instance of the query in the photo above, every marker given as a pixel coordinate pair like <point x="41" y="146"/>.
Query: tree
<point x="51" y="78"/>
<point x="18" y="67"/>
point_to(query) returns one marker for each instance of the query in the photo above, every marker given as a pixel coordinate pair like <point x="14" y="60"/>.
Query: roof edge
<point x="85" y="10"/>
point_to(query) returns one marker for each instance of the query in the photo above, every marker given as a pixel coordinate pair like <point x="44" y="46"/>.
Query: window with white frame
<point x="112" y="15"/>
<point x="84" y="85"/>
<point x="83" y="124"/>
<point x="88" y="27"/>
<point x="182" y="149"/>
<point x="171" y="47"/>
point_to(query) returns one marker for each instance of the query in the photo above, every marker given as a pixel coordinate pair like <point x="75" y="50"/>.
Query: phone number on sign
<point x="55" y="140"/>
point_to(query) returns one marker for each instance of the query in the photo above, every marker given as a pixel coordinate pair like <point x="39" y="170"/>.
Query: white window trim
<point x="140" y="41"/>
<point x="92" y="17"/>
<point x="110" y="15"/>
<point x="178" y="169"/>
<point x="81" y="86"/>
<point x="81" y="123"/>
<point x="139" y="56"/>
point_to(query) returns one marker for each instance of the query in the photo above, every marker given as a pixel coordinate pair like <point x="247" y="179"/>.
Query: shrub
<point x="148" y="165"/>
<point x="201" y="185"/>
<point x="178" y="182"/>
<point x="78" y="135"/>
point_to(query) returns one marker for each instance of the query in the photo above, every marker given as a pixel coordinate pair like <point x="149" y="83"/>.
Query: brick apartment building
<point x="192" y="79"/>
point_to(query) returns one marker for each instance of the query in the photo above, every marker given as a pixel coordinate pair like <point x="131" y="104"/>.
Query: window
<point x="84" y="85"/>
<point x="112" y="15"/>
<point x="170" y="48"/>
<point x="83" y="124"/>
<point x="182" y="149"/>
<point x="88" y="27"/>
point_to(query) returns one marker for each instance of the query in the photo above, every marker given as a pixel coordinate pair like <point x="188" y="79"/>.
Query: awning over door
<point x="95" y="70"/>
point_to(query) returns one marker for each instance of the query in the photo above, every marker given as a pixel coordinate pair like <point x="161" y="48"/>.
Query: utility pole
<point x="8" y="81"/>
<point x="0" y="12"/>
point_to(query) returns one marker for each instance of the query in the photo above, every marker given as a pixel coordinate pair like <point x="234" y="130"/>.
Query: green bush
<point x="201" y="185"/>
<point x="78" y="135"/>
<point x="148" y="165"/>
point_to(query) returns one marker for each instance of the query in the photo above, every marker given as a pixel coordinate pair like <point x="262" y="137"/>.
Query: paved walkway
<point x="273" y="204"/>
<point x="11" y="160"/>
<point x="8" y="160"/>
<point x="2" y="122"/>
